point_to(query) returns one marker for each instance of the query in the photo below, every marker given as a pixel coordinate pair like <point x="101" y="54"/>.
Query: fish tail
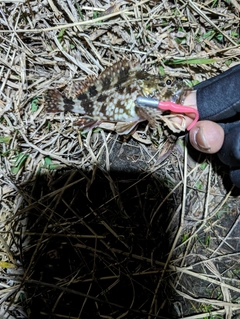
<point x="56" y="102"/>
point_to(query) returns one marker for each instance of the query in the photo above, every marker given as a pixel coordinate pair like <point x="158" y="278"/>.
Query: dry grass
<point x="91" y="226"/>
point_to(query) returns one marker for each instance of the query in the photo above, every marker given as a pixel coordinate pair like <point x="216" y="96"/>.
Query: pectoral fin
<point x="148" y="114"/>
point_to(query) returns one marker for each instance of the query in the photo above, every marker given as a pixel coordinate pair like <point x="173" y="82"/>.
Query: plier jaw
<point x="168" y="106"/>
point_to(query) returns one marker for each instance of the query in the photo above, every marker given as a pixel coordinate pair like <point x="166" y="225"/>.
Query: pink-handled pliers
<point x="168" y="106"/>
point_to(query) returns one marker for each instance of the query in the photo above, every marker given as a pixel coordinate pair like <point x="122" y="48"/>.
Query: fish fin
<point x="83" y="86"/>
<point x="86" y="123"/>
<point x="148" y="114"/>
<point x="108" y="79"/>
<point x="56" y="102"/>
<point x="125" y="128"/>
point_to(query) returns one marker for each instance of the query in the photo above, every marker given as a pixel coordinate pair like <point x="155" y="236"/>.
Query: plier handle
<point x="168" y="106"/>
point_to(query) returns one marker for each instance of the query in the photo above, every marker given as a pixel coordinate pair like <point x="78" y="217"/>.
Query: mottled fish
<point x="111" y="97"/>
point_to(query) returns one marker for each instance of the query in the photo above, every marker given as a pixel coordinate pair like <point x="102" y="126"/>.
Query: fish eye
<point x="168" y="82"/>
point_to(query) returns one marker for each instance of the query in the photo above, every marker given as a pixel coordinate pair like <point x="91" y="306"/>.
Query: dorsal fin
<point x="85" y="84"/>
<point x="109" y="78"/>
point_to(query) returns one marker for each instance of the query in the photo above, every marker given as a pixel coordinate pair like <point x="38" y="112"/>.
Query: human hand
<point x="206" y="136"/>
<point x="218" y="100"/>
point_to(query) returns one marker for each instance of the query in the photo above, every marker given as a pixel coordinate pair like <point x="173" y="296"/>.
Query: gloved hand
<point x="218" y="131"/>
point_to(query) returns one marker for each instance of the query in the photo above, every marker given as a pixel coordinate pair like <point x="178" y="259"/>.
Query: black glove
<point x="218" y="99"/>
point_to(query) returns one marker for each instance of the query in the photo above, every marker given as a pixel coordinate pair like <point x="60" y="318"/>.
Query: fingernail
<point x="200" y="140"/>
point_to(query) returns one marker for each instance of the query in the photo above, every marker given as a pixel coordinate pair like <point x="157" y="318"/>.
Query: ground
<point x="100" y="226"/>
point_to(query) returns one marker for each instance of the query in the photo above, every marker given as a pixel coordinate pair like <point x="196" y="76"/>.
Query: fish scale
<point x="111" y="97"/>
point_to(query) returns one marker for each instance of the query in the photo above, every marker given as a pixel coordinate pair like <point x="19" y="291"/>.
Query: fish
<point x="111" y="97"/>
